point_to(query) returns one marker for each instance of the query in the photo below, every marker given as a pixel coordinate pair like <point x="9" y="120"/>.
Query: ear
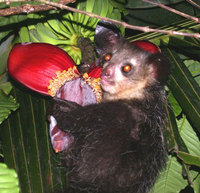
<point x="107" y="36"/>
<point x="161" y="67"/>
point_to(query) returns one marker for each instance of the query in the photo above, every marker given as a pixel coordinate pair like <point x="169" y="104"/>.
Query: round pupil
<point x="107" y="57"/>
<point x="127" y="68"/>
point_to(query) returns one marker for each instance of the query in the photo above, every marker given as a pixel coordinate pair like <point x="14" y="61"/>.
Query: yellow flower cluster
<point x="70" y="74"/>
<point x="60" y="79"/>
<point x="94" y="83"/>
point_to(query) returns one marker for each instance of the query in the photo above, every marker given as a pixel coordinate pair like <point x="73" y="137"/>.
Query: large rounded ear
<point x="107" y="36"/>
<point x="161" y="67"/>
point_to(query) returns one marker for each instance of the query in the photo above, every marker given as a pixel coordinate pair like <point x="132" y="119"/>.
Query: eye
<point x="107" y="57"/>
<point x="126" y="68"/>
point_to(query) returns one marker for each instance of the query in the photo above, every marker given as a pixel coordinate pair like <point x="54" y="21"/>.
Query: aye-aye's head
<point x="128" y="67"/>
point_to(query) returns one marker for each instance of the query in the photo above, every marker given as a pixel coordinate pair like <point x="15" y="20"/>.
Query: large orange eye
<point x="127" y="68"/>
<point x="107" y="57"/>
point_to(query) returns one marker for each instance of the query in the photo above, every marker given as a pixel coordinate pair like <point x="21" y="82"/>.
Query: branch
<point x="25" y="9"/>
<point x="125" y="25"/>
<point x="28" y="8"/>
<point x="195" y="19"/>
<point x="193" y="3"/>
<point x="51" y="5"/>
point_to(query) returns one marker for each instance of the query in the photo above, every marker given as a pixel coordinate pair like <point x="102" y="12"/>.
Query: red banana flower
<point x="49" y="70"/>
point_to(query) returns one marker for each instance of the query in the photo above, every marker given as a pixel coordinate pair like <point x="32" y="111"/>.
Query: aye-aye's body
<point x="118" y="145"/>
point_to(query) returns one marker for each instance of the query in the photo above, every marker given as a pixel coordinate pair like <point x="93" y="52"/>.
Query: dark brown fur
<point x="118" y="145"/>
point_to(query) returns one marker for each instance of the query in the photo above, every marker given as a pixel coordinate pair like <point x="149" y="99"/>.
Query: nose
<point x="107" y="73"/>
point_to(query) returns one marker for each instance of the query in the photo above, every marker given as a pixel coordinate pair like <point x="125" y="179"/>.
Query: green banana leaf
<point x="26" y="146"/>
<point x="7" y="104"/>
<point x="8" y="180"/>
<point x="145" y="14"/>
<point x="140" y="4"/>
<point x="171" y="181"/>
<point x="185" y="89"/>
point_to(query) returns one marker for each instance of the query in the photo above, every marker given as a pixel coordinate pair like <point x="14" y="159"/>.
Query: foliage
<point x="24" y="136"/>
<point x="7" y="104"/>
<point x="8" y="180"/>
<point x="141" y="4"/>
<point x="66" y="31"/>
